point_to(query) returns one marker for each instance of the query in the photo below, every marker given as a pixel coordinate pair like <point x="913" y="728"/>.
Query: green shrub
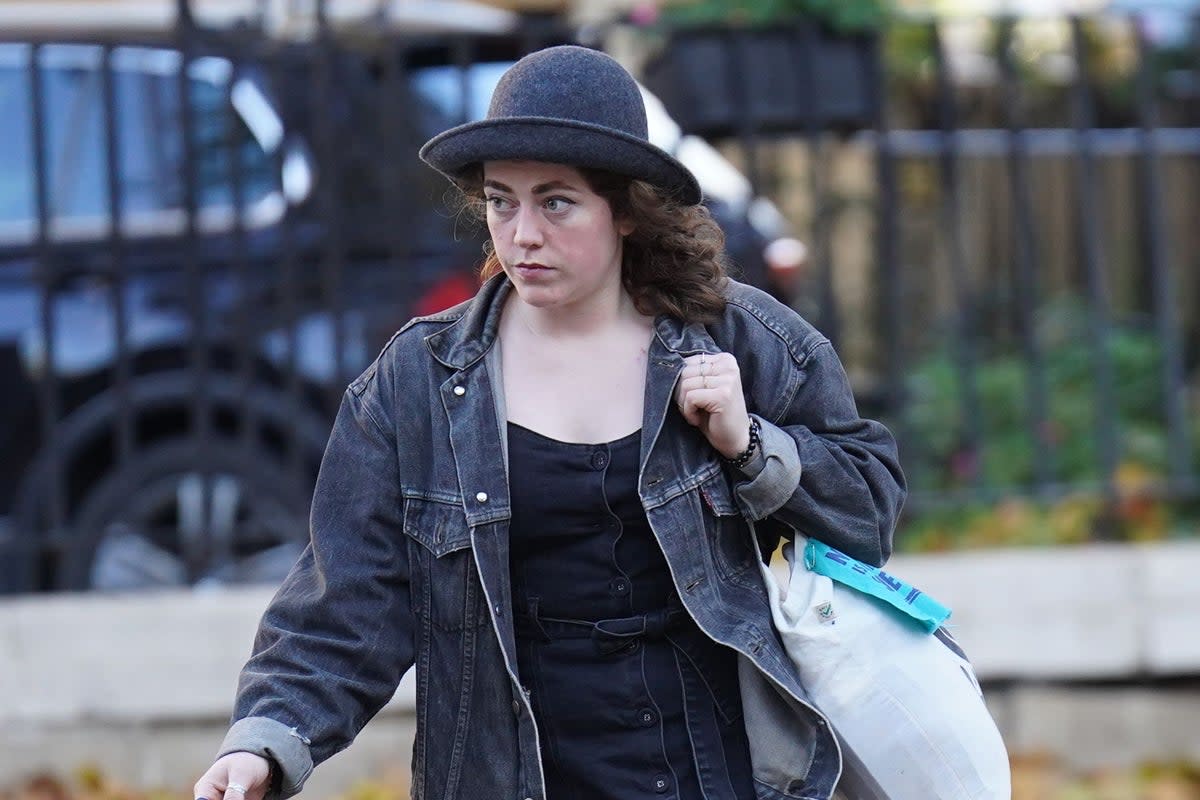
<point x="1005" y="452"/>
<point x="1077" y="501"/>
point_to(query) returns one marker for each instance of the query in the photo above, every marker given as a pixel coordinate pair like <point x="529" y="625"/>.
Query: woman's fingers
<point x="709" y="379"/>
<point x="702" y="396"/>
<point x="705" y="372"/>
<point x="236" y="776"/>
<point x="707" y="382"/>
<point x="709" y="395"/>
<point x="710" y="364"/>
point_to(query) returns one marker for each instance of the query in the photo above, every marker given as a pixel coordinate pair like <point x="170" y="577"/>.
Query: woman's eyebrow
<point x="541" y="188"/>
<point x="554" y="186"/>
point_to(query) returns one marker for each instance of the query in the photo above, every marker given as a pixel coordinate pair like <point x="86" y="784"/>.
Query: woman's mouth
<point x="530" y="269"/>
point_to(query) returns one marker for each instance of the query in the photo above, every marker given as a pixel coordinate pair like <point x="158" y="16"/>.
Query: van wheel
<point x="166" y="518"/>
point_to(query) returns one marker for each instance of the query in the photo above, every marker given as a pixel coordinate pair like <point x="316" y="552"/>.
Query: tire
<point x="131" y="499"/>
<point x="166" y="518"/>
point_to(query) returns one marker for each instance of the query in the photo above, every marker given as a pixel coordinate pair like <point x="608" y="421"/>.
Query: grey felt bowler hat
<point x="567" y="105"/>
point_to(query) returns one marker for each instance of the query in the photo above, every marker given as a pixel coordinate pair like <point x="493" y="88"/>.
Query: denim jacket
<point x="408" y="559"/>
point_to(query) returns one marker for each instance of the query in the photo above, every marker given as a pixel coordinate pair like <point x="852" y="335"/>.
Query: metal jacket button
<point x="460" y="391"/>
<point x="481" y="497"/>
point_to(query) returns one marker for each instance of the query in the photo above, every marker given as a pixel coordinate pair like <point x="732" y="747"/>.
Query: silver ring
<point x="236" y="787"/>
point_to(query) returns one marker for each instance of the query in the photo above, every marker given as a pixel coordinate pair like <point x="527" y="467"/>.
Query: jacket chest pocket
<point x="727" y="533"/>
<point x="446" y="587"/>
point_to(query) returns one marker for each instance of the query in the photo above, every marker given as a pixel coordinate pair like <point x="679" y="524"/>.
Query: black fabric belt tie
<point x="610" y="636"/>
<point x="700" y="673"/>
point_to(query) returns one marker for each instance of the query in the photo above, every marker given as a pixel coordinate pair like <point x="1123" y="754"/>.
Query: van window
<point x="150" y="154"/>
<point x="444" y="88"/>
<point x="16" y="140"/>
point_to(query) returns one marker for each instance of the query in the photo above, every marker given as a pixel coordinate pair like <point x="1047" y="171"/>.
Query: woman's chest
<point x="587" y="397"/>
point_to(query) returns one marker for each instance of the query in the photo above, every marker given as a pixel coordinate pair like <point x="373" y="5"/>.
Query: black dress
<point x="617" y="671"/>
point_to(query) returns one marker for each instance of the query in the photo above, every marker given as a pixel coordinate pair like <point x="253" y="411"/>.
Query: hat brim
<point x="562" y="142"/>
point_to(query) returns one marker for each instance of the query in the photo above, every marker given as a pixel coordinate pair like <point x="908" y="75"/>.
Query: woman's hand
<point x="236" y="776"/>
<point x="709" y="395"/>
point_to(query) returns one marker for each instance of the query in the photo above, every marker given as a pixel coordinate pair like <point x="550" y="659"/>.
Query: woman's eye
<point x="557" y="204"/>
<point x="495" y="203"/>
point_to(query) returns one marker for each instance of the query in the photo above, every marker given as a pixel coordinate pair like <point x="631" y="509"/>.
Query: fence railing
<point x="1026" y="315"/>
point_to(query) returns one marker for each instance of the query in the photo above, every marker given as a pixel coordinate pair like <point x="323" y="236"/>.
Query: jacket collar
<point x="468" y="338"/>
<point x="683" y="338"/>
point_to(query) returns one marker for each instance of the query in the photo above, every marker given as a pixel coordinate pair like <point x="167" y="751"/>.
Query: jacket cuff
<point x="277" y="742"/>
<point x="772" y="475"/>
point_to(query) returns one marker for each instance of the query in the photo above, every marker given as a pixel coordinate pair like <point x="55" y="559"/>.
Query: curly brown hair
<point x="672" y="263"/>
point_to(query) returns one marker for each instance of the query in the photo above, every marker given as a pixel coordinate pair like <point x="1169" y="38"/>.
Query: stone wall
<point x="1088" y="653"/>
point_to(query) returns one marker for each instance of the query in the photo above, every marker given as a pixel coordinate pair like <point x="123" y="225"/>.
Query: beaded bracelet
<point x="743" y="458"/>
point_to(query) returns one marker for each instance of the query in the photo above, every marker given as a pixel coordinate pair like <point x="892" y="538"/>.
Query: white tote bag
<point x="898" y="691"/>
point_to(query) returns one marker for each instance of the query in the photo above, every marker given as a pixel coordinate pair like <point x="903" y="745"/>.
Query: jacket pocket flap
<point x="439" y="526"/>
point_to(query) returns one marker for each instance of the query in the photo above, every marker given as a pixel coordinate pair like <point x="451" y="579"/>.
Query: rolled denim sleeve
<point x="337" y="637"/>
<point x="826" y="472"/>
<point x="772" y="473"/>
<point x="284" y="746"/>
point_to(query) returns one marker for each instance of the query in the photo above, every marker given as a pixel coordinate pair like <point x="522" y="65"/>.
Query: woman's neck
<point x="577" y="377"/>
<point x="578" y="321"/>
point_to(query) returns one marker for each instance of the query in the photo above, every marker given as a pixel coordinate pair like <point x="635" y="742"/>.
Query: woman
<point x="551" y="498"/>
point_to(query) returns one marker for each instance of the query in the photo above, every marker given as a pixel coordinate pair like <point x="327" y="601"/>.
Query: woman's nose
<point x="528" y="232"/>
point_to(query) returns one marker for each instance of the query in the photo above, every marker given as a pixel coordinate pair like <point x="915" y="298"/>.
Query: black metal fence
<point x="205" y="234"/>
<point x="1002" y="214"/>
<point x="1072" y="347"/>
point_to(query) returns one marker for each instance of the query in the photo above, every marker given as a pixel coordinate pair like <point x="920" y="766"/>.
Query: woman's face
<point x="556" y="238"/>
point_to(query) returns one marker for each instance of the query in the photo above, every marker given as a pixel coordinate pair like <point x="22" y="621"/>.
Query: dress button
<point x="619" y="586"/>
<point x="460" y="391"/>
<point x="647" y="717"/>
<point x="481" y="497"/>
<point x="661" y="784"/>
<point x="517" y="707"/>
<point x="599" y="459"/>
